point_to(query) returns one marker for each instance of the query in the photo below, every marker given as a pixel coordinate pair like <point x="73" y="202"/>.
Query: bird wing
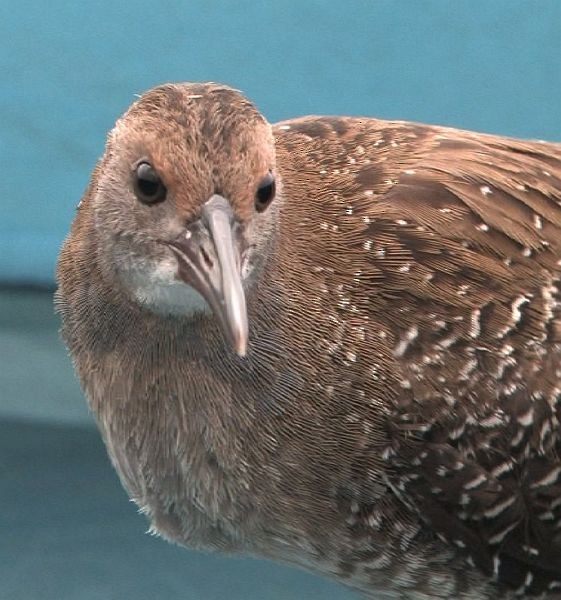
<point x="460" y="239"/>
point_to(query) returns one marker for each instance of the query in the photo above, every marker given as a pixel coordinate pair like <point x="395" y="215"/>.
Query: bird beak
<point x="208" y="253"/>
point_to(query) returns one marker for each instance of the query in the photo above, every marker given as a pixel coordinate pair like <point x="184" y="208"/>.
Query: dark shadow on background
<point x="69" y="533"/>
<point x="67" y="529"/>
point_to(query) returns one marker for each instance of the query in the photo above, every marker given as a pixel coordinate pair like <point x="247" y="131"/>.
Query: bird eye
<point x="265" y="192"/>
<point x="148" y="186"/>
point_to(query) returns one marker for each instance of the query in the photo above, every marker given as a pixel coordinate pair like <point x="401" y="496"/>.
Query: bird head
<point x="183" y="203"/>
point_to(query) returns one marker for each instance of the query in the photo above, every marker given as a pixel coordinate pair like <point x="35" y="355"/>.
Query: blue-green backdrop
<point x="67" y="70"/>
<point x="70" y="68"/>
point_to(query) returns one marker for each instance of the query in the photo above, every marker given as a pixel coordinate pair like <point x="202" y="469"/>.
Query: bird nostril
<point x="206" y="258"/>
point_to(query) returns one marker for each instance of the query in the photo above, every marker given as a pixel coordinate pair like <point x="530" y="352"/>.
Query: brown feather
<point x="395" y="423"/>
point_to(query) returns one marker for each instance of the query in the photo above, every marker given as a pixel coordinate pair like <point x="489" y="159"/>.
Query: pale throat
<point x="155" y="285"/>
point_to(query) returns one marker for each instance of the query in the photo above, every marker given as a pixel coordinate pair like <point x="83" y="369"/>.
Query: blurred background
<point x="67" y="531"/>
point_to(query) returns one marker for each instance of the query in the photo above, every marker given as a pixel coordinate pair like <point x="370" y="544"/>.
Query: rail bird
<point x="332" y="341"/>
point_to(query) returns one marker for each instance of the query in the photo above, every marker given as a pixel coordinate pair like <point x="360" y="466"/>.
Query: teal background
<point x="70" y="68"/>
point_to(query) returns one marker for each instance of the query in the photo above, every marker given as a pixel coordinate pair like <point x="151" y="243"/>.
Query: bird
<point x="333" y="342"/>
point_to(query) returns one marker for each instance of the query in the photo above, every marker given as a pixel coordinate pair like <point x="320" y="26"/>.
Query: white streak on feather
<point x="499" y="537"/>
<point x="549" y="479"/>
<point x="497" y="509"/>
<point x="526" y="419"/>
<point x="404" y="343"/>
<point x="517" y="304"/>
<point x="475" y="482"/>
<point x="475" y="328"/>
